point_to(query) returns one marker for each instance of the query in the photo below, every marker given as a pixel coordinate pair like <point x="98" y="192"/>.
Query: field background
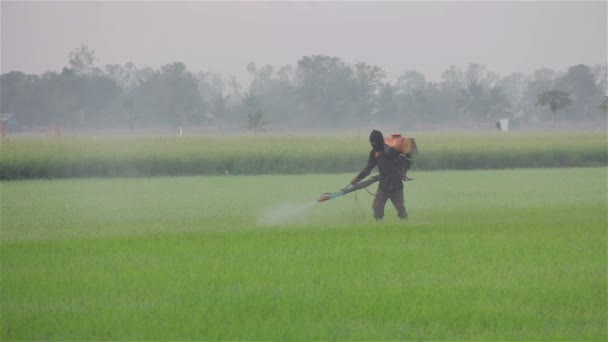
<point x="514" y="254"/>
<point x="120" y="156"/>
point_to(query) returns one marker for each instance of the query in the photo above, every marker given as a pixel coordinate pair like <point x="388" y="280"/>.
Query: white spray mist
<point x="284" y="214"/>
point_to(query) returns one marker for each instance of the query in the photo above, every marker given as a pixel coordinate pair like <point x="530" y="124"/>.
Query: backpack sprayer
<point x="402" y="144"/>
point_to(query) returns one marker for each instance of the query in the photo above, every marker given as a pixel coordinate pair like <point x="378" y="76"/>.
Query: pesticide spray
<point x="290" y="213"/>
<point x="285" y="213"/>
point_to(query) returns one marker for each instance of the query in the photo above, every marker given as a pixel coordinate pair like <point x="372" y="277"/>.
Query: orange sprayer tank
<point x="401" y="143"/>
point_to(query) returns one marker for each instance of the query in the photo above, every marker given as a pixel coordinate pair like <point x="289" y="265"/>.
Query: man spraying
<point x="392" y="167"/>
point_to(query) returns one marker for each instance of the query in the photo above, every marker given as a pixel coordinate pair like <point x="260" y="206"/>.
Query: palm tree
<point x="555" y="99"/>
<point x="255" y="122"/>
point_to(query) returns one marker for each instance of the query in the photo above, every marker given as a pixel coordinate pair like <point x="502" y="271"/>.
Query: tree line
<point x="318" y="92"/>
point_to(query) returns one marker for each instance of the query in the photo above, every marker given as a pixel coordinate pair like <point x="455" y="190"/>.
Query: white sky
<point x="222" y="37"/>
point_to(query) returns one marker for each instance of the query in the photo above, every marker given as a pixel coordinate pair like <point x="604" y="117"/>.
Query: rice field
<point x="67" y="157"/>
<point x="515" y="254"/>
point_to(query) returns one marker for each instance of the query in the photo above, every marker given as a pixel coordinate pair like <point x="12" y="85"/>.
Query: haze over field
<point x="257" y="66"/>
<point x="223" y="37"/>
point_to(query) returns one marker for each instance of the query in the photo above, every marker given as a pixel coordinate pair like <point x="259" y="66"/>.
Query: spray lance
<point x="405" y="146"/>
<point x="350" y="188"/>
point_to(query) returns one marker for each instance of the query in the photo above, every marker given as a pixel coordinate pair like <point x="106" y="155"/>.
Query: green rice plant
<point x="24" y="158"/>
<point x="486" y="255"/>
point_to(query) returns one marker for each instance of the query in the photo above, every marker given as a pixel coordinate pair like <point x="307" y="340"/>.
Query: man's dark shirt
<point x="392" y="167"/>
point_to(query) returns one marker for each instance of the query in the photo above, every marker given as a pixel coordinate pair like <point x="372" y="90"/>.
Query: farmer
<point x="392" y="166"/>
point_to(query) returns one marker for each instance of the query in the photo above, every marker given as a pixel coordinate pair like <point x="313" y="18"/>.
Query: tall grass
<point x="157" y="156"/>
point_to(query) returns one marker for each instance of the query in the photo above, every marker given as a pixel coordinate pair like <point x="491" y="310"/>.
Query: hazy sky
<point x="224" y="37"/>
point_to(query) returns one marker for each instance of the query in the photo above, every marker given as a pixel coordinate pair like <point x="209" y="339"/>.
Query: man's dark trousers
<point x="396" y="198"/>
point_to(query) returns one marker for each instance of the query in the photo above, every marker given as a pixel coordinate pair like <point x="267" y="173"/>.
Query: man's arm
<point x="371" y="163"/>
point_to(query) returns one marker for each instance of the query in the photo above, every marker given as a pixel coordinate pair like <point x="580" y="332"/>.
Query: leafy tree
<point x="210" y="86"/>
<point x="451" y="90"/>
<point x="579" y="82"/>
<point x="184" y="102"/>
<point x="367" y="81"/>
<point x="513" y="87"/>
<point x="125" y="76"/>
<point x="219" y="108"/>
<point x="285" y="74"/>
<point x="12" y="97"/>
<point x="482" y="98"/>
<point x="386" y="103"/>
<point x="144" y="106"/>
<point x="270" y="91"/>
<point x="23" y="95"/>
<point x="101" y="101"/>
<point x="262" y="78"/>
<point x="412" y="97"/>
<point x="541" y="80"/>
<point x="410" y="82"/>
<point x="324" y="85"/>
<point x="555" y="100"/>
<point x="439" y="104"/>
<point x="168" y="96"/>
<point x="250" y="102"/>
<point x="452" y="77"/>
<point x="82" y="60"/>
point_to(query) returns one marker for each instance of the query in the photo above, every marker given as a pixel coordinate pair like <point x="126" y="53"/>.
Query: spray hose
<point x="354" y="187"/>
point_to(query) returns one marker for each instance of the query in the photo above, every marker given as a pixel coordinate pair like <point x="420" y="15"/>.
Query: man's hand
<point x="355" y="181"/>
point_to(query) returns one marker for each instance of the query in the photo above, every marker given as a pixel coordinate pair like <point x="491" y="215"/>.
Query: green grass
<point x="25" y="158"/>
<point x="486" y="255"/>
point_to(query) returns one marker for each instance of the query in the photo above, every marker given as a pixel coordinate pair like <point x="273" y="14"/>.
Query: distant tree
<point x="482" y="98"/>
<point x="410" y="82"/>
<point x="367" y="81"/>
<point x="82" y="60"/>
<point x="438" y="105"/>
<point x="250" y="102"/>
<point x="285" y="73"/>
<point x="22" y="95"/>
<point x="513" y="87"/>
<point x="273" y="92"/>
<point x="604" y="105"/>
<point x="183" y="103"/>
<point x="219" y="108"/>
<point x="541" y="80"/>
<point x="210" y="85"/>
<point x="143" y="102"/>
<point x="555" y="100"/>
<point x="324" y="85"/>
<point x="168" y="96"/>
<point x="125" y="76"/>
<point x="386" y="103"/>
<point x="452" y="77"/>
<point x="600" y="74"/>
<point x="262" y="78"/>
<point x="451" y="90"/>
<point x="412" y="97"/>
<point x="256" y="122"/>
<point x="580" y="83"/>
